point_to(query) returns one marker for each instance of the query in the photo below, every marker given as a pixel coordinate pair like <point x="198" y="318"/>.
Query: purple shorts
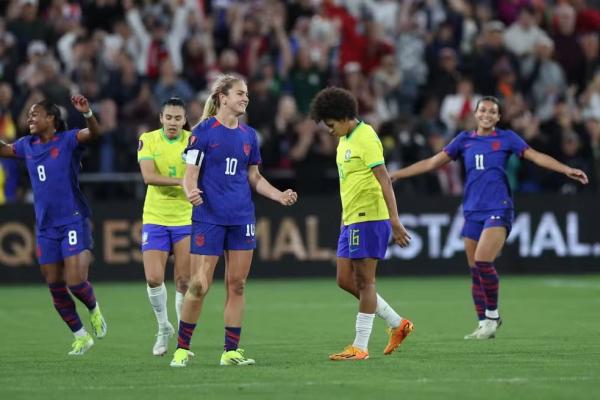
<point x="59" y="242"/>
<point x="212" y="240"/>
<point x="163" y="238"/>
<point x="477" y="221"/>
<point x="364" y="240"/>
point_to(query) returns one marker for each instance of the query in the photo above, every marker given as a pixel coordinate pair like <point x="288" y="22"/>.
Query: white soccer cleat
<point x="162" y="340"/>
<point x="488" y="329"/>
<point x="473" y="335"/>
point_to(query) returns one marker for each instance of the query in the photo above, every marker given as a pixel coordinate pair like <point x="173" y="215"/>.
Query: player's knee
<point x="344" y="283"/>
<point x="198" y="286"/>
<point x="236" y="285"/>
<point x="154" y="281"/>
<point x="181" y="284"/>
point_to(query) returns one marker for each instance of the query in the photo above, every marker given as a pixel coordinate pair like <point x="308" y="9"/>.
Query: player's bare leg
<point x="182" y="272"/>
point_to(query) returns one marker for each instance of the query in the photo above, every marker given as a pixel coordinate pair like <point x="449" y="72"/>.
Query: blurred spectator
<point x="523" y="34"/>
<point x="27" y="25"/>
<point x="457" y="109"/>
<point x="568" y="53"/>
<point x="170" y="85"/>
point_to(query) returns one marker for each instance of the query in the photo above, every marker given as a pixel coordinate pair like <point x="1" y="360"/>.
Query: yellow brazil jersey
<point x="165" y="205"/>
<point x="361" y="194"/>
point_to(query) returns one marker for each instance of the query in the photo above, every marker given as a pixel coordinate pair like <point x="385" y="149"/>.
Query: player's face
<point x="237" y="98"/>
<point x="339" y="128"/>
<point x="487" y="115"/>
<point x="172" y="119"/>
<point x="38" y="120"/>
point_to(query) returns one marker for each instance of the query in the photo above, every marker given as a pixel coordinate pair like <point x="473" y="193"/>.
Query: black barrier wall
<point x="551" y="234"/>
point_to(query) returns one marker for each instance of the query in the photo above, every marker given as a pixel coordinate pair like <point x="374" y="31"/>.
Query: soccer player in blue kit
<point x="487" y="205"/>
<point x="64" y="239"/>
<point x="222" y="168"/>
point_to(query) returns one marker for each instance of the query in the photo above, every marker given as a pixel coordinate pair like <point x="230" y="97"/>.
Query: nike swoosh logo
<point x="212" y="146"/>
<point x="353" y="250"/>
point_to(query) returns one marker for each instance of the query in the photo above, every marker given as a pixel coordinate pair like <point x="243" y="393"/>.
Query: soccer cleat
<point x="488" y="329"/>
<point x="473" y="335"/>
<point x="397" y="335"/>
<point x="180" y="358"/>
<point x="350" y="353"/>
<point x="98" y="322"/>
<point x="235" y="357"/>
<point x="81" y="344"/>
<point x="162" y="340"/>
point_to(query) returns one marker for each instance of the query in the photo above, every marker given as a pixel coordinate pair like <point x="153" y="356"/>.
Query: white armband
<point x="88" y="114"/>
<point x="194" y="157"/>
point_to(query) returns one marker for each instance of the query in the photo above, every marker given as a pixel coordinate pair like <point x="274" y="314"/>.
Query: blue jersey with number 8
<point x="223" y="155"/>
<point x="485" y="158"/>
<point x="54" y="169"/>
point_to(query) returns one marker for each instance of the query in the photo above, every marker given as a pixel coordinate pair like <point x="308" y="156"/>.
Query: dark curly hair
<point x="333" y="103"/>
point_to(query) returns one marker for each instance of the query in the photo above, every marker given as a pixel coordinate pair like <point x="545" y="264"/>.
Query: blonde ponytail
<point x="210" y="108"/>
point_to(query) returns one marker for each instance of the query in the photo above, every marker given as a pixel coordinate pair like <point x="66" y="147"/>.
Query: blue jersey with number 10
<point x="223" y="155"/>
<point x="485" y="158"/>
<point x="54" y="172"/>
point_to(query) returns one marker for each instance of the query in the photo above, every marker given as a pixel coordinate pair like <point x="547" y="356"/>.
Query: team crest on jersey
<point x="247" y="149"/>
<point x="496" y="145"/>
<point x="200" y="240"/>
<point x="140" y="145"/>
<point x="54" y="152"/>
<point x="347" y="155"/>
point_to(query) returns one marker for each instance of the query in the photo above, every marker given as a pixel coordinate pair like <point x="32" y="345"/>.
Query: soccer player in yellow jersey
<point x="167" y="214"/>
<point x="369" y="214"/>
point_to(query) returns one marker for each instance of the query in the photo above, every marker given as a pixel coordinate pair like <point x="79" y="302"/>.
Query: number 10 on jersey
<point x="479" y="161"/>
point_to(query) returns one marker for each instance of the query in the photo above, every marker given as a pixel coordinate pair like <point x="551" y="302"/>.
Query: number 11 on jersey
<point x="479" y="161"/>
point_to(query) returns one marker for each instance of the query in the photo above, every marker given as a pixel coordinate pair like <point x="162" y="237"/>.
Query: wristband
<point x="88" y="114"/>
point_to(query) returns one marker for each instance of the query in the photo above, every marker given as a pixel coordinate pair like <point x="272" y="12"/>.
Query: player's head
<point x="487" y="112"/>
<point x="230" y="93"/>
<point x="173" y="117"/>
<point x="337" y="108"/>
<point x="45" y="116"/>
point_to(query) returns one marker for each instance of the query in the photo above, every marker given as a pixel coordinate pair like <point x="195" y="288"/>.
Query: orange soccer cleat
<point x="350" y="353"/>
<point x="397" y="335"/>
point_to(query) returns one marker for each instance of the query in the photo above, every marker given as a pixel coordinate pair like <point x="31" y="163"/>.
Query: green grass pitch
<point x="548" y="347"/>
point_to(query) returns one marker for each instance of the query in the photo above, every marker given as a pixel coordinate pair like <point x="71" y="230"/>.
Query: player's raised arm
<point x="262" y="186"/>
<point x="92" y="131"/>
<point x="545" y="161"/>
<point x="420" y="167"/>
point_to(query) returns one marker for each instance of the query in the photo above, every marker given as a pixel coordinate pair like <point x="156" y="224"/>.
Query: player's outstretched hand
<point x="80" y="103"/>
<point x="288" y="198"/>
<point x="400" y="235"/>
<point x="395" y="176"/>
<point x="577" y="175"/>
<point x="194" y="196"/>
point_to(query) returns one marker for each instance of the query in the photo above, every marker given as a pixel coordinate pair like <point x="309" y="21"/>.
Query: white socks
<point x="364" y="324"/>
<point x="178" y="304"/>
<point x="492" y="314"/>
<point x="383" y="310"/>
<point x="158" y="300"/>
<point x="81" y="332"/>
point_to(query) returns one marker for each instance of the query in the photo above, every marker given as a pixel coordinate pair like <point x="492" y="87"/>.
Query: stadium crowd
<point x="417" y="68"/>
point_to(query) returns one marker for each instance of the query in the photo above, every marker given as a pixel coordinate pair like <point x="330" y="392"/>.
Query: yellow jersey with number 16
<point x="360" y="192"/>
<point x="165" y="205"/>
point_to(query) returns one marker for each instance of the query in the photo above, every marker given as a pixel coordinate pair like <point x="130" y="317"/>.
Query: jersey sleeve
<point x="144" y="151"/>
<point x="255" y="158"/>
<point x="517" y="144"/>
<point x="372" y="150"/>
<point x="19" y="147"/>
<point x="71" y="138"/>
<point x="454" y="148"/>
<point x="197" y="143"/>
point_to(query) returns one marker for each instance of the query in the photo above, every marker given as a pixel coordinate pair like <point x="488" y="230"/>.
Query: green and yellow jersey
<point x="361" y="194"/>
<point x="165" y="205"/>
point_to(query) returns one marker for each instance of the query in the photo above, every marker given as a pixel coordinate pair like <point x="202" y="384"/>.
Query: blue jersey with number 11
<point x="223" y="155"/>
<point x="54" y="172"/>
<point x="485" y="158"/>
